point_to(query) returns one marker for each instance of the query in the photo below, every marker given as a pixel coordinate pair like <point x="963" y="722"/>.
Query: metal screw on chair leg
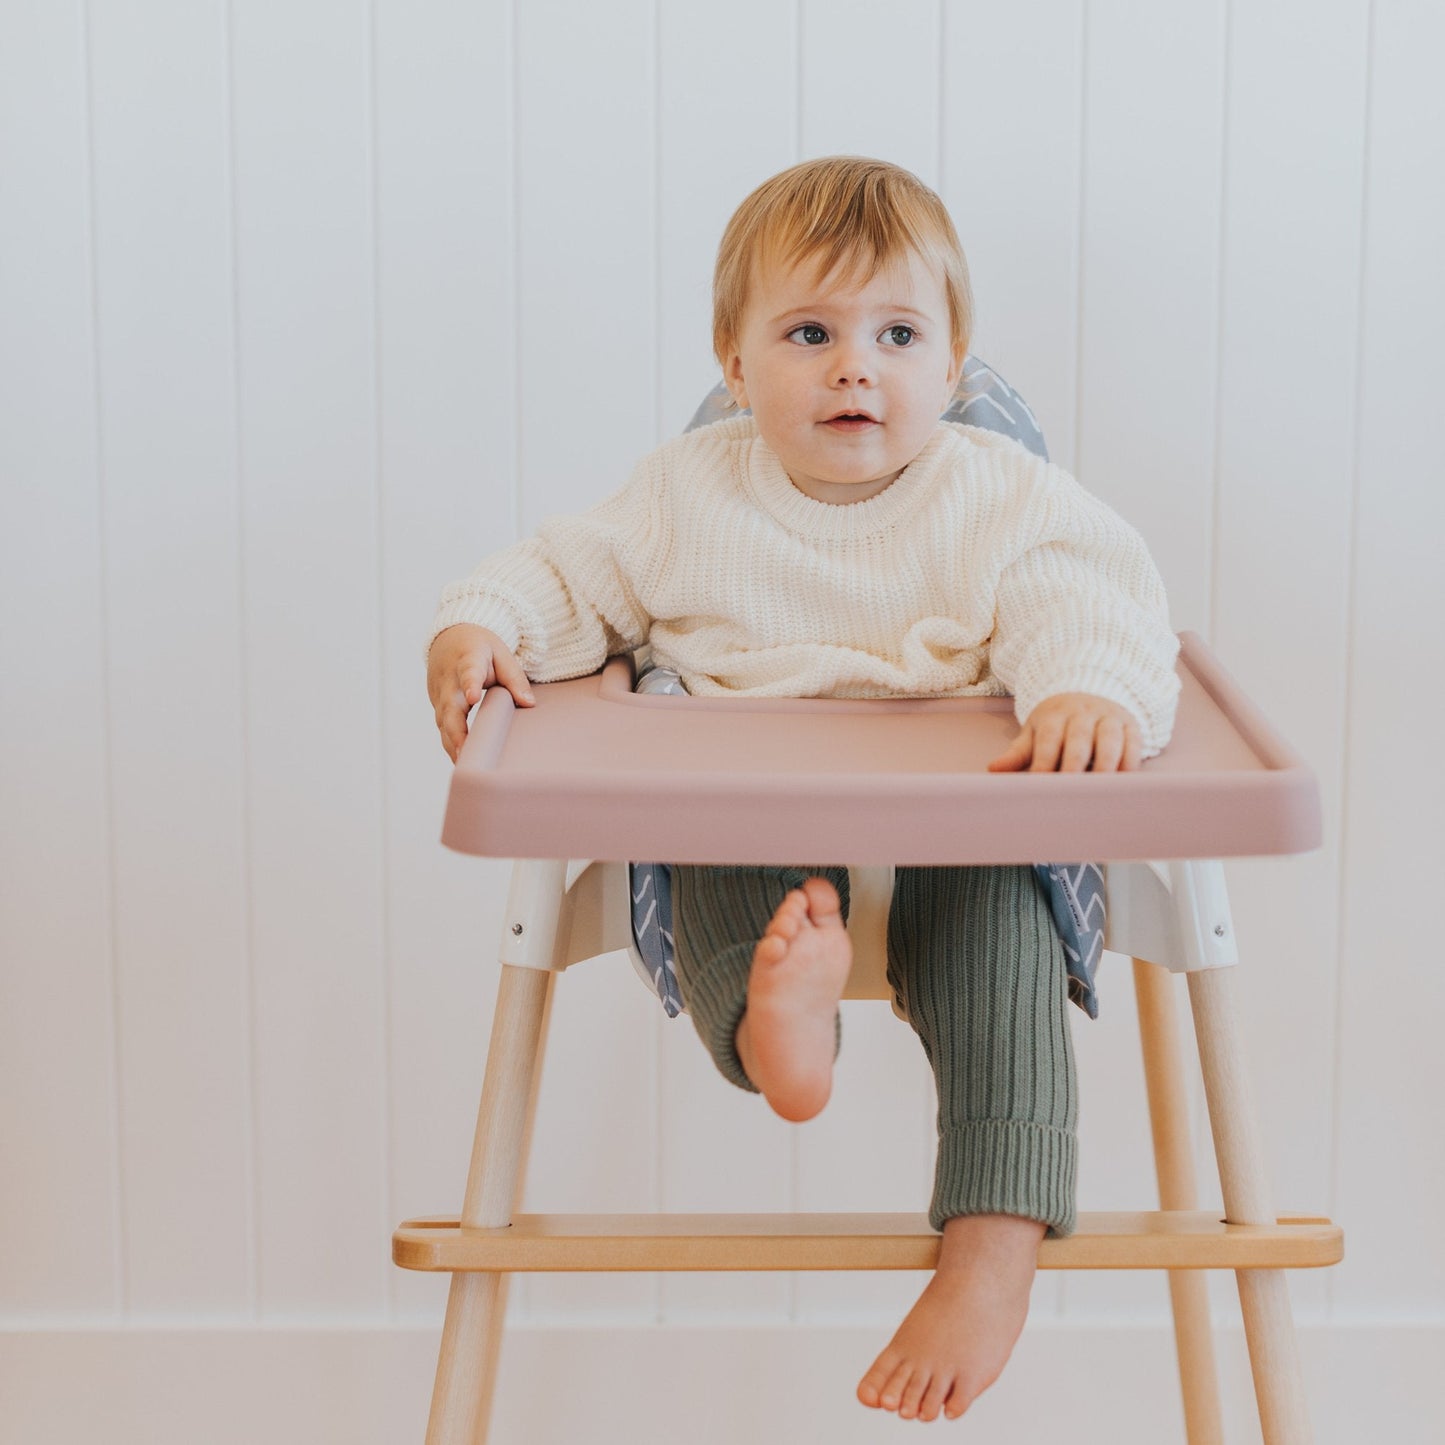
<point x="517" y="928"/>
<point x="1218" y="930"/>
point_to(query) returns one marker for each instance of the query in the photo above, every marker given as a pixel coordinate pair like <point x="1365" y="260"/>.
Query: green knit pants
<point x="975" y="964"/>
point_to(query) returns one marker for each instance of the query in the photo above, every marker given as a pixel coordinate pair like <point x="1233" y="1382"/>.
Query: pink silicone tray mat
<point x="594" y="770"/>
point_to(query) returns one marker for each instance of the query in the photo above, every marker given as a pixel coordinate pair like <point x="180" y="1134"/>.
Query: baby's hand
<point x="464" y="661"/>
<point x="1081" y="726"/>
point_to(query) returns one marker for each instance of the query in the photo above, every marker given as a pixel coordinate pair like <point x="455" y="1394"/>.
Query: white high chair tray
<point x="594" y="770"/>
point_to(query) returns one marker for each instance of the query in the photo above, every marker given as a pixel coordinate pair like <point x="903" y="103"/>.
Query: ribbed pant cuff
<point x="717" y="998"/>
<point x="1007" y="1166"/>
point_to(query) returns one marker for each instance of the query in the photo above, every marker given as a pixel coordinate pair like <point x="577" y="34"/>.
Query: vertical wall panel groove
<point x="800" y="86"/>
<point x="661" y="433"/>
<point x="243" y="690"/>
<point x="1076" y="417"/>
<point x="1222" y="1292"/>
<point x="386" y="940"/>
<point x="515" y="222"/>
<point x="941" y="160"/>
<point x="118" y="1204"/>
<point x="1352" y="674"/>
<point x="520" y="1303"/>
<point x="1220" y="282"/>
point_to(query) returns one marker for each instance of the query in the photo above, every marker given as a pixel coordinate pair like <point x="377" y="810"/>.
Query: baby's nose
<point x="851" y="367"/>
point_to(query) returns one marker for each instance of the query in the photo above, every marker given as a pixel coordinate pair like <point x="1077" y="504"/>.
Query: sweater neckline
<point x="841" y="521"/>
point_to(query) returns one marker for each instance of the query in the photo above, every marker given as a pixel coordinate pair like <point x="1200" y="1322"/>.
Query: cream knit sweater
<point x="981" y="569"/>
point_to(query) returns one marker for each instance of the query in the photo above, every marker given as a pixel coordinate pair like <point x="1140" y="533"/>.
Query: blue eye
<point x="811" y="334"/>
<point x="898" y="336"/>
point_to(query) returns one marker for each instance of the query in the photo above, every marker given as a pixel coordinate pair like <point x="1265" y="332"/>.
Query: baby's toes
<point x="958" y="1401"/>
<point x="913" y="1393"/>
<point x="932" y="1402"/>
<point x="772" y="947"/>
<point x="892" y="1393"/>
<point x="824" y="905"/>
<point x="788" y="920"/>
<point x="870" y="1387"/>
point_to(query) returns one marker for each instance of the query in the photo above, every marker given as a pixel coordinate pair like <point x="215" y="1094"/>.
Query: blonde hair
<point x="863" y="215"/>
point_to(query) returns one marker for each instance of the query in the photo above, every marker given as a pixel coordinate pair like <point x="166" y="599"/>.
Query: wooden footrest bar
<point x="1157" y="1239"/>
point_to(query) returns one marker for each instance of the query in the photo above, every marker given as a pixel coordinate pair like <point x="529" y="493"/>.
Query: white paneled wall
<point x="306" y="307"/>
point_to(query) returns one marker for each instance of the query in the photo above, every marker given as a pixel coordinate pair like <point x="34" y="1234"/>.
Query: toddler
<point x="841" y="541"/>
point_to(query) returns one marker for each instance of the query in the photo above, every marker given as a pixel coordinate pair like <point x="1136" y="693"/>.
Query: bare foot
<point x="787" y="1038"/>
<point x="955" y="1341"/>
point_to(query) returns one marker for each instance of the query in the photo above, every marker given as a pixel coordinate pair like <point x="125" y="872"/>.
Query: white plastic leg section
<point x="1174" y="913"/>
<point x="534" y="913"/>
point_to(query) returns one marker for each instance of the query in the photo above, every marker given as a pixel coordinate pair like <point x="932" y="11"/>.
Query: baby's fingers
<point x="1133" y="748"/>
<point x="511" y="676"/>
<point x="1078" y="744"/>
<point x="1109" y="745"/>
<point x="472" y="681"/>
<point x="1048" y="744"/>
<point x="451" y="719"/>
<point x="1019" y="752"/>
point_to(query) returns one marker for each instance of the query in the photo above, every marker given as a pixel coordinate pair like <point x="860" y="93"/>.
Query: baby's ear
<point x="955" y="370"/>
<point x="733" y="379"/>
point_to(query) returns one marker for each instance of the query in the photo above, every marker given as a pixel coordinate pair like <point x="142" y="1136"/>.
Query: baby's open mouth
<point x="851" y="421"/>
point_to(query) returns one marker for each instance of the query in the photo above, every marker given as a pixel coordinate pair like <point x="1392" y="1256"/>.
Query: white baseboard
<point x="656" y="1386"/>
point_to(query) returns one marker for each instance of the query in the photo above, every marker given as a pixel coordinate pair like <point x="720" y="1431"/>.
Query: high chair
<point x="597" y="772"/>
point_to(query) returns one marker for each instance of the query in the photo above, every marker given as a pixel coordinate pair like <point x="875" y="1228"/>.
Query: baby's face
<point x="846" y="382"/>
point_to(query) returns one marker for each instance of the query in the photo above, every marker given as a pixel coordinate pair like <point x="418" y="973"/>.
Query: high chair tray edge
<point x="594" y="770"/>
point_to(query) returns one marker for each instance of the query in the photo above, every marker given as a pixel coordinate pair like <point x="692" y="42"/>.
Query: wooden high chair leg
<point x="477" y="1302"/>
<point x="1263" y="1293"/>
<point x="497" y="1322"/>
<point x="1169" y="1122"/>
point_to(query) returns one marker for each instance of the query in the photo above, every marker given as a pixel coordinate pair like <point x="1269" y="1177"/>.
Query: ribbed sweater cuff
<point x="1007" y="1166"/>
<point x="480" y="610"/>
